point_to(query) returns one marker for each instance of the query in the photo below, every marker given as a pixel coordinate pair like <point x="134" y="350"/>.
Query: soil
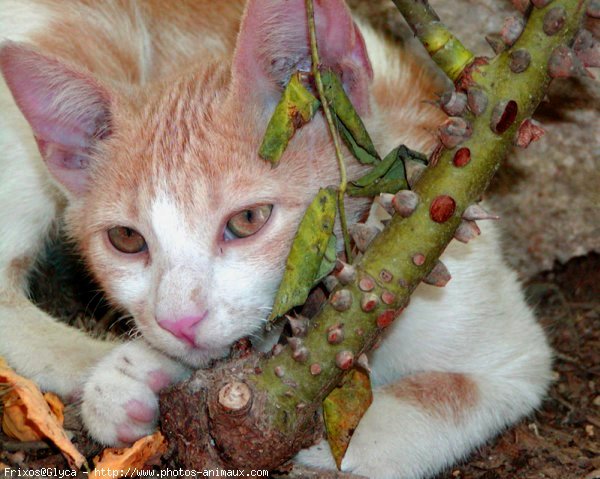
<point x="560" y="441"/>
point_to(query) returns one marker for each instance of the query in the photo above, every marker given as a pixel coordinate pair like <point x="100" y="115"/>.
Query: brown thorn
<point x="476" y="212"/>
<point x="344" y="360"/>
<point x="466" y="231"/>
<point x="438" y="276"/>
<point x="405" y="202"/>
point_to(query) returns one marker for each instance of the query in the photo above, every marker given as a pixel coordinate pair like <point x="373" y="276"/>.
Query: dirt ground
<point x="560" y="441"/>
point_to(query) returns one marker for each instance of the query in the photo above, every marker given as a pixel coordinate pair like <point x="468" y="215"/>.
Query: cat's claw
<point x="120" y="397"/>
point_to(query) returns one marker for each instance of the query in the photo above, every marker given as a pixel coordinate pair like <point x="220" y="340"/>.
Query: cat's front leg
<point x="427" y="421"/>
<point x="120" y="397"/>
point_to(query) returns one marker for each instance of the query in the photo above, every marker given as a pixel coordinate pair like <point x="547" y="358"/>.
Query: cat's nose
<point x="183" y="328"/>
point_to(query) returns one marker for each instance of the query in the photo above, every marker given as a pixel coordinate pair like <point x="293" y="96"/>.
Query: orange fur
<point x="448" y="395"/>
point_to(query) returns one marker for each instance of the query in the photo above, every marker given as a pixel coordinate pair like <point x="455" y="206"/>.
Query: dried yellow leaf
<point x="28" y="417"/>
<point x="127" y="462"/>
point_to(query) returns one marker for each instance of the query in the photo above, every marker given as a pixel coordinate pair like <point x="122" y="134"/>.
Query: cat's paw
<point x="120" y="397"/>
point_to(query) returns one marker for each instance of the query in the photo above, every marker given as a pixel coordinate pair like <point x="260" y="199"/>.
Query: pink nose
<point x="183" y="328"/>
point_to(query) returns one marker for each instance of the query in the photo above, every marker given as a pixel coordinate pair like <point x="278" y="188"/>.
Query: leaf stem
<point x="310" y="13"/>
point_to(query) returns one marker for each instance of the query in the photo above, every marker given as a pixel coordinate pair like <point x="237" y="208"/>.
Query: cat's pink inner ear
<point x="67" y="110"/>
<point x="274" y="42"/>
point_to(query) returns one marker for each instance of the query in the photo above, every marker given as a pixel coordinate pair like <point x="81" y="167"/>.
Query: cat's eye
<point x="126" y="240"/>
<point x="247" y="222"/>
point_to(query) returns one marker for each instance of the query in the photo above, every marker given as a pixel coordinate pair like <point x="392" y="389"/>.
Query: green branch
<point x="445" y="49"/>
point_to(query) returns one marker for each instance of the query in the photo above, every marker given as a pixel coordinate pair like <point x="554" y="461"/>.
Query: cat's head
<point x="177" y="216"/>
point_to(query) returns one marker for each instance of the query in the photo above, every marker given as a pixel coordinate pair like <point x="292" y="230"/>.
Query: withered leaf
<point x="306" y="254"/>
<point x="25" y="400"/>
<point x="343" y="410"/>
<point x="296" y="107"/>
<point x="116" y="463"/>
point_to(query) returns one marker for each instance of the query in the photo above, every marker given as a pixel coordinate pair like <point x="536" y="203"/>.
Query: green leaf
<point x="388" y="176"/>
<point x="353" y="132"/>
<point x="362" y="155"/>
<point x="343" y="410"/>
<point x="296" y="107"/>
<point x="306" y="255"/>
<point x="329" y="258"/>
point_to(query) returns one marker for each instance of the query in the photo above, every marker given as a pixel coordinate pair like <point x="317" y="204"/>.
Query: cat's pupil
<point x="249" y="216"/>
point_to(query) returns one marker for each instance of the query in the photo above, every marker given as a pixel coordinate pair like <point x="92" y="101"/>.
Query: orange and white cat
<point x="137" y="124"/>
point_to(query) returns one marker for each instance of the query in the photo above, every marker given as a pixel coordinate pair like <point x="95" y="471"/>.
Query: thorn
<point x="519" y="60"/>
<point x="279" y="371"/>
<point x="335" y="334"/>
<point x="290" y="382"/>
<point x="386" y="318"/>
<point x="386" y="276"/>
<point x="503" y="116"/>
<point x="587" y="49"/>
<point x="344" y="272"/>
<point x="344" y="360"/>
<point x="477" y="100"/>
<point x="366" y="284"/>
<point x="299" y="325"/>
<point x="330" y="283"/>
<point x="388" y="297"/>
<point x="442" y="208"/>
<point x="300" y="355"/>
<point x="511" y="30"/>
<point x="466" y="231"/>
<point x="453" y="102"/>
<point x="276" y="349"/>
<point x="295" y="343"/>
<point x="521" y="5"/>
<point x="495" y="41"/>
<point x="369" y="302"/>
<point x="315" y="369"/>
<point x="529" y="130"/>
<point x="462" y="157"/>
<point x="417" y="169"/>
<point x="438" y="276"/>
<point x="564" y="63"/>
<point x="593" y="9"/>
<point x="362" y="235"/>
<point x="418" y="259"/>
<point x="476" y="212"/>
<point x="363" y="362"/>
<point x="385" y="200"/>
<point x="405" y="202"/>
<point x="341" y="300"/>
<point x="454" y="131"/>
<point x="554" y="20"/>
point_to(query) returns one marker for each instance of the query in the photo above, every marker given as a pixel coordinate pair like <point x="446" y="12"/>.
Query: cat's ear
<point x="274" y="42"/>
<point x="68" y="111"/>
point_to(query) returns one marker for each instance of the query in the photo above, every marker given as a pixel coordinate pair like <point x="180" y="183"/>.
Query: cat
<point x="136" y="123"/>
